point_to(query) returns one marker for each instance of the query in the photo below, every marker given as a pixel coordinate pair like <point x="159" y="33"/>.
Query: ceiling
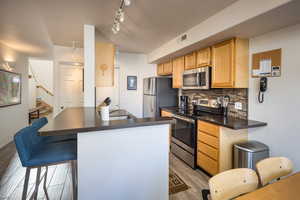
<point x="33" y="26"/>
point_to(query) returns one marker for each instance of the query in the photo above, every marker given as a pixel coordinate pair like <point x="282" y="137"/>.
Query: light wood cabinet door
<point x="190" y="61"/>
<point x="223" y="64"/>
<point x="160" y="69"/>
<point x="203" y="57"/>
<point x="178" y="68"/>
<point x="168" y="68"/>
<point x="207" y="163"/>
<point x="166" y="114"/>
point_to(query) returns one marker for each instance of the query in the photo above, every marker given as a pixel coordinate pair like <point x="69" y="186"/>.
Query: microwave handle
<point x="198" y="79"/>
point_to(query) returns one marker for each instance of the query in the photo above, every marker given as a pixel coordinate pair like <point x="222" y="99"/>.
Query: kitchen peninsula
<point x="125" y="154"/>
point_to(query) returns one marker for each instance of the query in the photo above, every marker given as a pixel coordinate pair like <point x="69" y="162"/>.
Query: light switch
<point x="238" y="105"/>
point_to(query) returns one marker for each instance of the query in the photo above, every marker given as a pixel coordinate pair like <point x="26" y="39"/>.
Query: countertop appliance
<point x="184" y="101"/>
<point x="184" y="130"/>
<point x="197" y="78"/>
<point x="158" y="92"/>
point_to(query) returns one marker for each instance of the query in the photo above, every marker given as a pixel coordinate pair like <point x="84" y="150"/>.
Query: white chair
<point x="231" y="184"/>
<point x="273" y="168"/>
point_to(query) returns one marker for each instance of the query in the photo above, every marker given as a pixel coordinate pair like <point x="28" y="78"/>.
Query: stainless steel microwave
<point x="197" y="78"/>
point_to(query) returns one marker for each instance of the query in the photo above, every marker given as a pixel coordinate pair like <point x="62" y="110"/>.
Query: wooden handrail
<point x="43" y="88"/>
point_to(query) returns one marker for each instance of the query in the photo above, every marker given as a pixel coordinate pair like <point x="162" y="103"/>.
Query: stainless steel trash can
<point x="247" y="154"/>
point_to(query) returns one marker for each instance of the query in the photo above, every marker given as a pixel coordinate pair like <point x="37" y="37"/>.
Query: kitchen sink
<point x="119" y="117"/>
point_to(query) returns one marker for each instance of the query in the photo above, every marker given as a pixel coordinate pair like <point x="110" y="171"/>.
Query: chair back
<point x="36" y="125"/>
<point x="232" y="183"/>
<point x="273" y="168"/>
<point x="25" y="143"/>
<point x="39" y="123"/>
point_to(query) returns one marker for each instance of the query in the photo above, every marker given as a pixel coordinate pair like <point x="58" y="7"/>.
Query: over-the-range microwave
<point x="197" y="78"/>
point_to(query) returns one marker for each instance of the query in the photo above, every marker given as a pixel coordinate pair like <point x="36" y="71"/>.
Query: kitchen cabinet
<point x="214" y="146"/>
<point x="203" y="57"/>
<point x="190" y="61"/>
<point x="160" y="69"/>
<point x="230" y="62"/>
<point x="178" y="68"/>
<point x="165" y="69"/>
<point x="166" y="114"/>
<point x="168" y="68"/>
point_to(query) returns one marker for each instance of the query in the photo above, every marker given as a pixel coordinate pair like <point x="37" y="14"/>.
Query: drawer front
<point x="166" y="114"/>
<point x="208" y="150"/>
<point x="208" y="128"/>
<point x="206" y="163"/>
<point x="208" y="139"/>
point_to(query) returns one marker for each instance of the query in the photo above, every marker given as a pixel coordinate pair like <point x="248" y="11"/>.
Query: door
<point x="149" y="106"/>
<point x="185" y="131"/>
<point x="190" y="61"/>
<point x="71" y="86"/>
<point x="203" y="57"/>
<point x="168" y="68"/>
<point x="160" y="69"/>
<point x="178" y="68"/>
<point x="223" y="64"/>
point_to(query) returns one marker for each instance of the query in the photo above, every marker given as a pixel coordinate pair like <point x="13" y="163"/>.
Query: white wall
<point x="13" y="118"/>
<point x="128" y="64"/>
<point x="65" y="54"/>
<point x="133" y="65"/>
<point x="282" y="99"/>
<point x="31" y="91"/>
<point x="89" y="65"/>
<point x="43" y="71"/>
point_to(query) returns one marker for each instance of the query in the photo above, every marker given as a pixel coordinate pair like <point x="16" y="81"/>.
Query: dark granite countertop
<point x="228" y="122"/>
<point x="85" y="119"/>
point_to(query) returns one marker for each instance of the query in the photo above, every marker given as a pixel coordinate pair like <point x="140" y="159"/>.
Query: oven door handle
<point x="192" y="121"/>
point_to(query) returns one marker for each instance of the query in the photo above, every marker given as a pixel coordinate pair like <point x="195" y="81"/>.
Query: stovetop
<point x="229" y="122"/>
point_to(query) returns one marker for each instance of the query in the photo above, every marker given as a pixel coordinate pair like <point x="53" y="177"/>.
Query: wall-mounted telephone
<point x="263" y="84"/>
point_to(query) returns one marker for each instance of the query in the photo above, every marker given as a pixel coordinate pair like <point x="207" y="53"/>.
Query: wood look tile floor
<point x="59" y="182"/>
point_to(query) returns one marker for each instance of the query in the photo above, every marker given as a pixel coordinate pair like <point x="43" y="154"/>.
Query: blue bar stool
<point x="35" y="152"/>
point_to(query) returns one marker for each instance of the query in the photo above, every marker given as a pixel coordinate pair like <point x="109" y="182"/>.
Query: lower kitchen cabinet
<point x="167" y="114"/>
<point x="215" y="146"/>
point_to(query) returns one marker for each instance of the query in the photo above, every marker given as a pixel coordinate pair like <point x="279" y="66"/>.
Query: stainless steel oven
<point x="183" y="142"/>
<point x="197" y="78"/>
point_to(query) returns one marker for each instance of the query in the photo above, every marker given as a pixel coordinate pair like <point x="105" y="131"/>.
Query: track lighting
<point x="120" y="16"/>
<point x="127" y="2"/>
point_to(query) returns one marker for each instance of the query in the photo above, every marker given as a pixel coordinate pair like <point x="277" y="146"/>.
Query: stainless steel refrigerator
<point x="158" y="93"/>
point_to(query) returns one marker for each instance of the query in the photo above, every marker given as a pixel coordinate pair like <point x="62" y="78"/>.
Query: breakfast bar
<point x="125" y="154"/>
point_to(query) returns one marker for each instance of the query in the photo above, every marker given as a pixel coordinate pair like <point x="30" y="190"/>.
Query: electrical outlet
<point x="238" y="105"/>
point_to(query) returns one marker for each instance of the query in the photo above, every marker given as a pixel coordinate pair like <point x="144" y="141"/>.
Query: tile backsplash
<point x="236" y="95"/>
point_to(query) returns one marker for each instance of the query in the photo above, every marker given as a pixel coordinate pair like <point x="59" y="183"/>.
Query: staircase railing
<point x="43" y="88"/>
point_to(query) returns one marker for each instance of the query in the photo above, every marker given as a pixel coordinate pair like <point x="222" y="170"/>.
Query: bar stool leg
<point x="25" y="187"/>
<point x="45" y="184"/>
<point x="37" y="183"/>
<point x="74" y="179"/>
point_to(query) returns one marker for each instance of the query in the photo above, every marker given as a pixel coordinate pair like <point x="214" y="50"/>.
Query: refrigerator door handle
<point x="152" y="110"/>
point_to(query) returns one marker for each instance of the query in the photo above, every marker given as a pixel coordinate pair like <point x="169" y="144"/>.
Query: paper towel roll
<point x="105" y="113"/>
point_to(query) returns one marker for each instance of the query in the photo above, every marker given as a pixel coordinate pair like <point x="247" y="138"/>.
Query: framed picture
<point x="10" y="88"/>
<point x="131" y="82"/>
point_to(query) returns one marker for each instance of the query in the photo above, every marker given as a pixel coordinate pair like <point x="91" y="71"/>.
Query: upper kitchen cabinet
<point x="204" y="57"/>
<point x="190" y="61"/>
<point x="178" y="68"/>
<point x="168" y="68"/>
<point x="165" y="68"/>
<point x="230" y="61"/>
<point x="160" y="69"/>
